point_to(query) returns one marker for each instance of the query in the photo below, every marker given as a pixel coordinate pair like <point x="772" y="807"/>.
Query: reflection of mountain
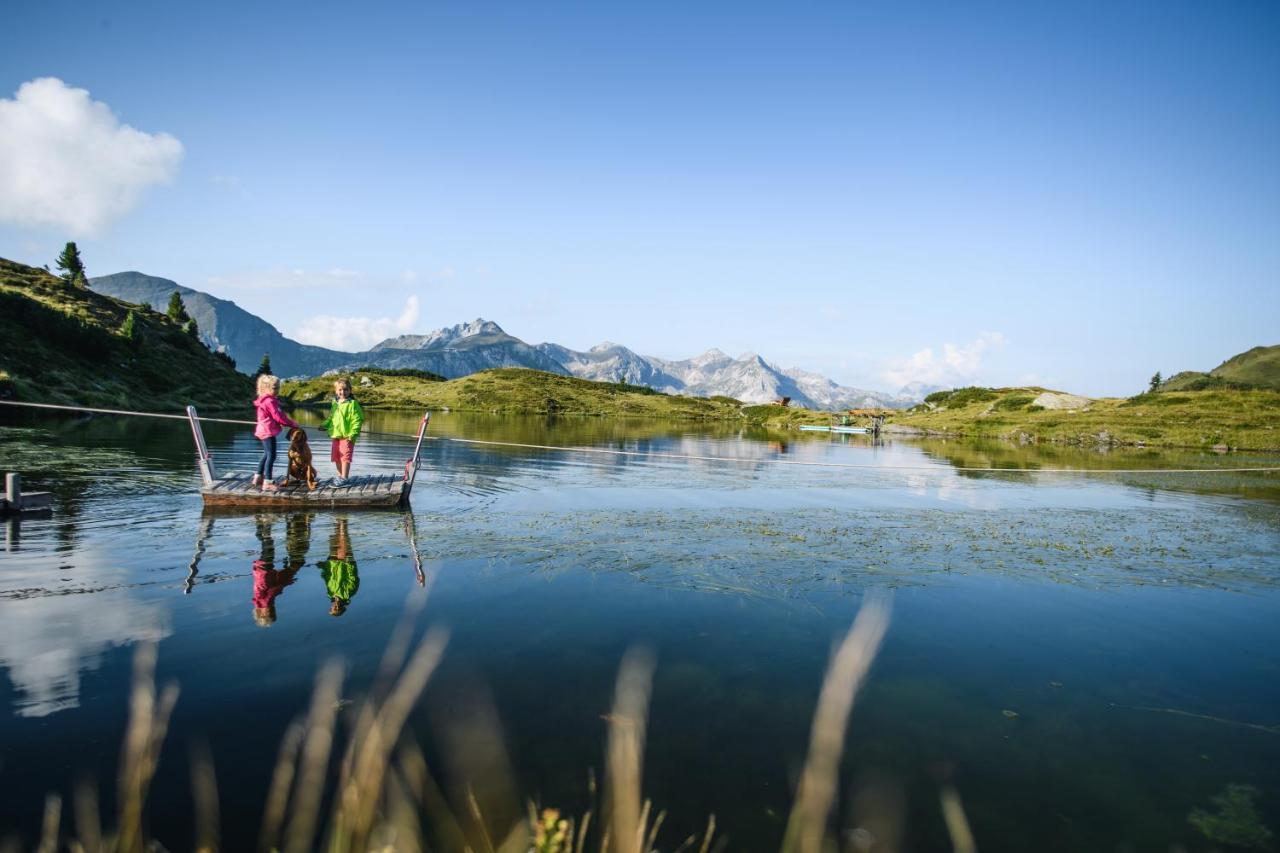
<point x="49" y="641"/>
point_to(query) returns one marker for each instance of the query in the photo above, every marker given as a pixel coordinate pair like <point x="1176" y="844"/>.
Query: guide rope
<point x="657" y="454"/>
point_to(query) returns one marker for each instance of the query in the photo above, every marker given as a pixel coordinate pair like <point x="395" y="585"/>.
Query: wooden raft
<point x="369" y="492"/>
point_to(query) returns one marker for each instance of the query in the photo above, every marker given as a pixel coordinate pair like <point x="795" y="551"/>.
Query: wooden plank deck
<point x="237" y="489"/>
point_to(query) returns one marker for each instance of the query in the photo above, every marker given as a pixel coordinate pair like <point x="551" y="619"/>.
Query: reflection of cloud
<point x="353" y="334"/>
<point x="66" y="160"/>
<point x="47" y="642"/>
<point x="955" y="365"/>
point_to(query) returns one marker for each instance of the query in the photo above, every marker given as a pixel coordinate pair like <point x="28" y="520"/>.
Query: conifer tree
<point x="1155" y="383"/>
<point x="265" y="366"/>
<point x="191" y="329"/>
<point x="177" y="310"/>
<point x="72" y="267"/>
<point x="129" y="328"/>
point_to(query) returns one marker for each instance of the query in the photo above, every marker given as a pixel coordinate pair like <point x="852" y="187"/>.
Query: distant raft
<point x="844" y="429"/>
<point x="237" y="489"/>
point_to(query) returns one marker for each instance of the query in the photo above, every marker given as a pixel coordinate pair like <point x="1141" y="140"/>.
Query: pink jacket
<point x="271" y="418"/>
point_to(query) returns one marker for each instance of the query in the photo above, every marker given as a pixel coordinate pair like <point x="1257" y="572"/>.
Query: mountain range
<point x="481" y="344"/>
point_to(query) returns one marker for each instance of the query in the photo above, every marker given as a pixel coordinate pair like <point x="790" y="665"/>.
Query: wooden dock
<point x="389" y="490"/>
<point x="368" y="492"/>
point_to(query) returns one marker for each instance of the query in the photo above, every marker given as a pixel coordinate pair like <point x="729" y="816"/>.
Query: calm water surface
<point x="1076" y="654"/>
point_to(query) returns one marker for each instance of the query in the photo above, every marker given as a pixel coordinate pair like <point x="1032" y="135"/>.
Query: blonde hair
<point x="270" y="383"/>
<point x="345" y="383"/>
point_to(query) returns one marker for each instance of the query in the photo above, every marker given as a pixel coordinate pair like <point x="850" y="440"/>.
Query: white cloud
<point x="353" y="334"/>
<point x="66" y="161"/>
<point x="954" y="365"/>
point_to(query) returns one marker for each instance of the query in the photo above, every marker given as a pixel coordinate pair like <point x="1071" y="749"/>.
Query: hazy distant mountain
<point x="914" y="392"/>
<point x="610" y="362"/>
<point x="479" y="345"/>
<point x="224" y="325"/>
<point x="458" y="350"/>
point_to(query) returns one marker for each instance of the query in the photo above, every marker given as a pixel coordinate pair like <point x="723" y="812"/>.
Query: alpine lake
<point x="1091" y="659"/>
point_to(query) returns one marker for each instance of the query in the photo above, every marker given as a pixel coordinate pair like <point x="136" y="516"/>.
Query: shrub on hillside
<point x="961" y="396"/>
<point x="401" y="371"/>
<point x="1015" y="402"/>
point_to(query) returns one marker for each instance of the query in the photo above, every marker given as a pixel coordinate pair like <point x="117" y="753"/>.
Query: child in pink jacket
<point x="271" y="419"/>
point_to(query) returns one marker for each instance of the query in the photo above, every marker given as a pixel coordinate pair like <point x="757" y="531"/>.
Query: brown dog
<point x="300" y="468"/>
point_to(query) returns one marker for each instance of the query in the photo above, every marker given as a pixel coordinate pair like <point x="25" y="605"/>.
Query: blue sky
<point x="1077" y="194"/>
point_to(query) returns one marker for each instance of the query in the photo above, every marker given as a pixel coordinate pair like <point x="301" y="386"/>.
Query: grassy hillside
<point x="1256" y="368"/>
<point x="1239" y="419"/>
<point x="517" y="390"/>
<point x="60" y="344"/>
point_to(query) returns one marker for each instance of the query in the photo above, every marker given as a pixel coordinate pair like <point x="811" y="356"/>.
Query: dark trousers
<point x="268" y="457"/>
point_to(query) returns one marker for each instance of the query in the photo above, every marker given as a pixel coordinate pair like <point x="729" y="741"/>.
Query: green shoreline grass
<point x="1236" y="419"/>
<point x="522" y="391"/>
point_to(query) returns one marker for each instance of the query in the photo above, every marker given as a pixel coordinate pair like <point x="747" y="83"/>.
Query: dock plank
<point x="236" y="489"/>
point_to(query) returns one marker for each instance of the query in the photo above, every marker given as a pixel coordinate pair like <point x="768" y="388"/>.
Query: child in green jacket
<point x="344" y="422"/>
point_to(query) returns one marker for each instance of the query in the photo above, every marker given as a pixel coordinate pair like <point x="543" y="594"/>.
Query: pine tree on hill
<point x="265" y="366"/>
<point x="129" y="328"/>
<point x="72" y="267"/>
<point x="1155" y="382"/>
<point x="191" y="329"/>
<point x="177" y="310"/>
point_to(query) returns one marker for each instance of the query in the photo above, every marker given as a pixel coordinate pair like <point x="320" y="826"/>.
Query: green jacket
<point x="340" y="578"/>
<point x="345" y="419"/>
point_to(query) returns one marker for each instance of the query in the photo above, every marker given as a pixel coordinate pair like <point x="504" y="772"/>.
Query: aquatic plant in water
<point x="1236" y="822"/>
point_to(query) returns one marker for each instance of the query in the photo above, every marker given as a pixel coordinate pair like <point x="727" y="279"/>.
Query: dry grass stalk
<point x="204" y="788"/>
<point x="148" y="723"/>
<point x="52" y="824"/>
<point x="362" y="791"/>
<point x="625" y="753"/>
<point x="385" y="788"/>
<point x="314" y="760"/>
<point x="807" y="826"/>
<point x="281" y="783"/>
<point x="957" y="824"/>
<point x="88" y="818"/>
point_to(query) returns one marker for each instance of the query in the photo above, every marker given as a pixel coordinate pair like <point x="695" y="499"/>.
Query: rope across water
<point x="657" y="454"/>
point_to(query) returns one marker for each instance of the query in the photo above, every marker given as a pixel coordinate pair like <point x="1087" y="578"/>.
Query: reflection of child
<point x="268" y="582"/>
<point x="339" y="572"/>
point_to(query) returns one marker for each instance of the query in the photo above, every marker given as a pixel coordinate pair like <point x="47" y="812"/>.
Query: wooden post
<point x="412" y="471"/>
<point x="207" y="471"/>
<point x="13" y="490"/>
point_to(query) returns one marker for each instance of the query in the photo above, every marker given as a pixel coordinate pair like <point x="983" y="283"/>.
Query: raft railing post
<point x="207" y="471"/>
<point x="411" y="470"/>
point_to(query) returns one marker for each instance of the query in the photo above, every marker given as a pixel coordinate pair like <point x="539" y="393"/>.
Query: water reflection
<point x="340" y="574"/>
<point x="268" y="581"/>
<point x="49" y="641"/>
